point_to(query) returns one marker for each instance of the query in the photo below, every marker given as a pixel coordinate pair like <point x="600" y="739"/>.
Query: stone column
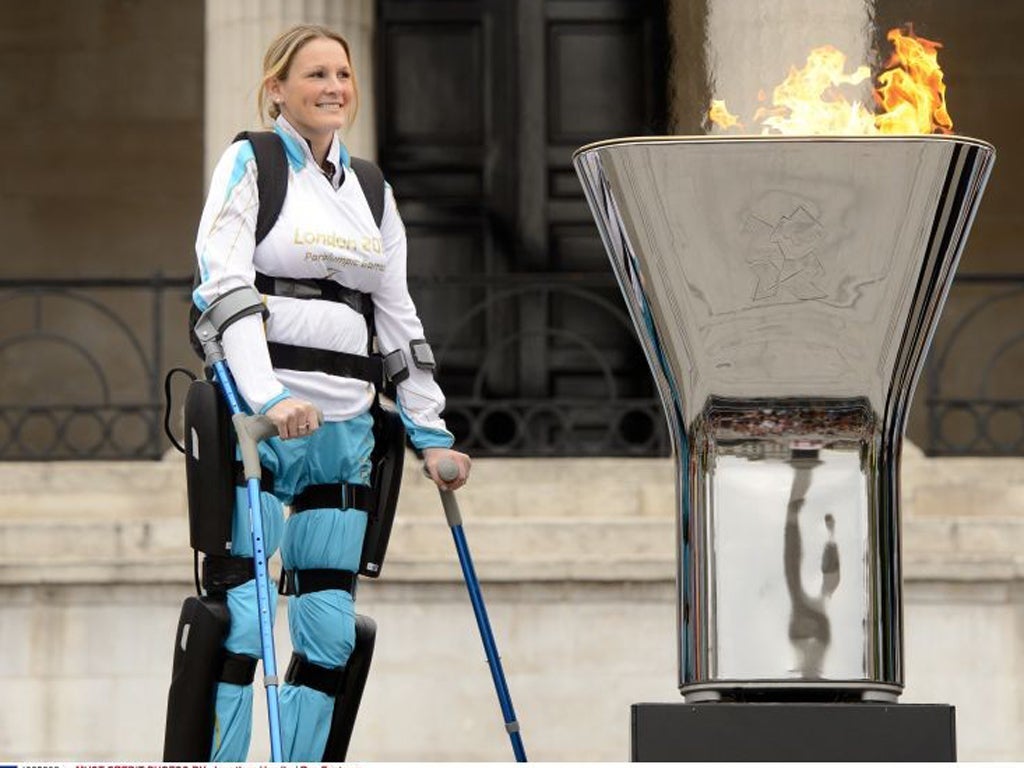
<point x="237" y="34"/>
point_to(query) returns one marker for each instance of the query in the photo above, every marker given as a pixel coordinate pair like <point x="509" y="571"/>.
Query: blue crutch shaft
<point x="250" y="431"/>
<point x="447" y="470"/>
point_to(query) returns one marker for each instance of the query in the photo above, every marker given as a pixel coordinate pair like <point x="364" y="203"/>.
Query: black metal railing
<point x="974" y="378"/>
<point x="82" y="364"/>
<point x="613" y="413"/>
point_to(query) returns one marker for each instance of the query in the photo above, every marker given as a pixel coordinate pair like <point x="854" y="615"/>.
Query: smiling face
<point x="317" y="93"/>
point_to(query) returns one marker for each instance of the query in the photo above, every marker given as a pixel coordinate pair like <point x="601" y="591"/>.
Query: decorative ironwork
<point x="975" y="374"/>
<point x="82" y="365"/>
<point x="603" y="424"/>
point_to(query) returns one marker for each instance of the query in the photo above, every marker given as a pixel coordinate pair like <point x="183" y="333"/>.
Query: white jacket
<point x="322" y="232"/>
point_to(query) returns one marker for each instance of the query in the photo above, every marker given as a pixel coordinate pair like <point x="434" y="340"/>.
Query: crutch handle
<point x="253" y="430"/>
<point x="448" y="470"/>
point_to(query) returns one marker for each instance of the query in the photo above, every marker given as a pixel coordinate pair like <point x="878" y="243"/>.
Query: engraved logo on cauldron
<point x="784" y="234"/>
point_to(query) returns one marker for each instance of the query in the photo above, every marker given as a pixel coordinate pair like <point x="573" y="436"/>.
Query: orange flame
<point x="912" y="93"/>
<point x="910" y="96"/>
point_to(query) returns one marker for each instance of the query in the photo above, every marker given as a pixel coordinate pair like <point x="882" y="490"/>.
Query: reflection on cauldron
<point x="810" y="630"/>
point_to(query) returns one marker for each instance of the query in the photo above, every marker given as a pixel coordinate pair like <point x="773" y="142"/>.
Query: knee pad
<point x="345" y="684"/>
<point x="200" y="662"/>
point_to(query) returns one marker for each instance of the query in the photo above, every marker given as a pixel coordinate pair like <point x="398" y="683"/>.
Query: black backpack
<point x="272" y="185"/>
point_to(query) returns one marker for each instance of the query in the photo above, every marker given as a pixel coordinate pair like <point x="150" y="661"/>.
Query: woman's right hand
<point x="294" y="418"/>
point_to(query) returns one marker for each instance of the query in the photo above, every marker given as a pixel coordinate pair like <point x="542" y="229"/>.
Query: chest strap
<point x="350" y="366"/>
<point x="327" y="680"/>
<point x="372" y="367"/>
<point x="313" y="288"/>
<point x="334" y="496"/>
<point x="306" y="580"/>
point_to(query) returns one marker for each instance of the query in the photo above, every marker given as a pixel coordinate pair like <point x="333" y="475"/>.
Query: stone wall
<point x="101" y="178"/>
<point x="577" y="563"/>
<point x="103" y="151"/>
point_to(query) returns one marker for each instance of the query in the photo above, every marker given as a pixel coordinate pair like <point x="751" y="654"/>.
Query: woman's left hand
<point x="432" y="457"/>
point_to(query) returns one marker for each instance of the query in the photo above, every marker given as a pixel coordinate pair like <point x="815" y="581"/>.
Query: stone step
<point x="561" y="488"/>
<point x="504" y="549"/>
<point x="557" y="488"/>
<point x="527" y="488"/>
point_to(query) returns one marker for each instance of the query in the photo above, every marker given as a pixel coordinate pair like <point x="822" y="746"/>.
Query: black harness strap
<point x="304" y="672"/>
<point x="372" y="181"/>
<point x="315" y="288"/>
<point x="271" y="177"/>
<point x="334" y="496"/>
<point x="289" y="357"/>
<point x="350" y="366"/>
<point x="307" y="580"/>
<point x="238" y="669"/>
<point x="223" y="572"/>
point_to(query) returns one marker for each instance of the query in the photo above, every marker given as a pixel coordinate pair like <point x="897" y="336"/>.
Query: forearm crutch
<point x="447" y="471"/>
<point x="251" y="430"/>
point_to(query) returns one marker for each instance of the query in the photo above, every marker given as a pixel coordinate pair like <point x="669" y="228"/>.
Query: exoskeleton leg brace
<point x="345" y="685"/>
<point x="200" y="660"/>
<point x="213" y="476"/>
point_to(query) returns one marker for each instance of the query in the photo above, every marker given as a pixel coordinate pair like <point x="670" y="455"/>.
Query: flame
<point x="910" y="97"/>
<point x="912" y="93"/>
<point x="720" y="115"/>
<point x="809" y="100"/>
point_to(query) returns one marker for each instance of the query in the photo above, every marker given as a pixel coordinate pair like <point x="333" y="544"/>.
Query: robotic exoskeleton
<point x="213" y="473"/>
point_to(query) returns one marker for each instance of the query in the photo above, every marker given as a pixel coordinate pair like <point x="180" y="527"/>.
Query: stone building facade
<point x="120" y="109"/>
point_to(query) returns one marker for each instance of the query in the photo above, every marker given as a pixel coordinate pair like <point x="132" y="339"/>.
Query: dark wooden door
<point x="482" y="103"/>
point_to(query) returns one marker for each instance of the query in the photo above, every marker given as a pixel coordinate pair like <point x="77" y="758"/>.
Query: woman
<point x="325" y="230"/>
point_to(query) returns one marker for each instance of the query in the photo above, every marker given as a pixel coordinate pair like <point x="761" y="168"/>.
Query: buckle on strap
<point x="315" y="288"/>
<point x="395" y="368"/>
<point x="223" y="572"/>
<point x="304" y="581"/>
<point x="301" y="671"/>
<point x="334" y="496"/>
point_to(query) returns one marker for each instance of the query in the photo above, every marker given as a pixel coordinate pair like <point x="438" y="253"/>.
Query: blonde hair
<point x="278" y="60"/>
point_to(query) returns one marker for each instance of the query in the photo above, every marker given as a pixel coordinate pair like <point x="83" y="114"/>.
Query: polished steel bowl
<point x="785" y="290"/>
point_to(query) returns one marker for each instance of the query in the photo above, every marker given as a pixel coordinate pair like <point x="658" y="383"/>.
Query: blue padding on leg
<point x="241" y="532"/>
<point x="233" y="724"/>
<point x="305" y="723"/>
<point x="322" y="624"/>
<point x="232" y="729"/>
<point x="324" y="538"/>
